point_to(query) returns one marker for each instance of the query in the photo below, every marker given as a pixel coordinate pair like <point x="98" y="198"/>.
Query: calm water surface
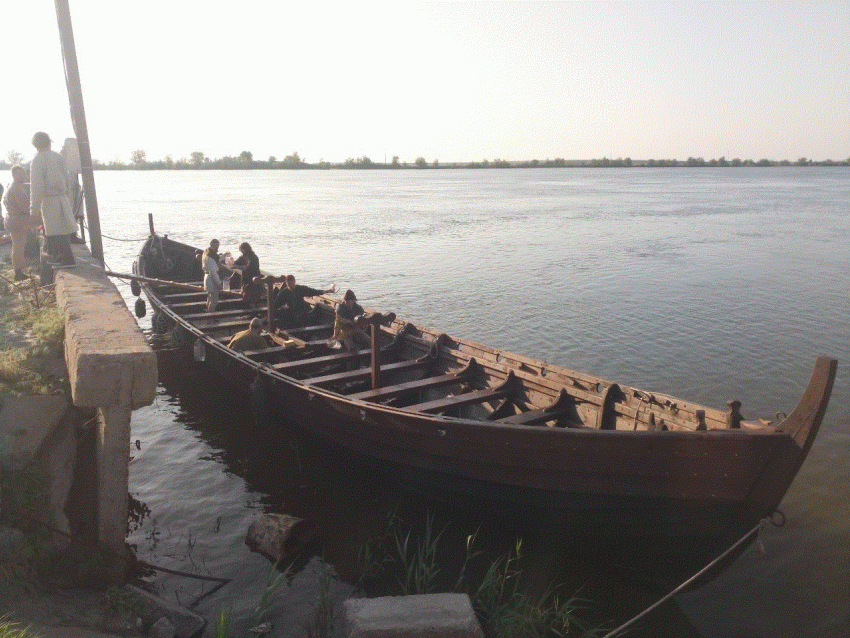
<point x="709" y="284"/>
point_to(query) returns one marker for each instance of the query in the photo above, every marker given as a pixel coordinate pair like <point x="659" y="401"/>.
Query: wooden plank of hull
<point x="664" y="465"/>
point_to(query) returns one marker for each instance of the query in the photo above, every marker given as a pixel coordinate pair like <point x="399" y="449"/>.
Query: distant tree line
<point x="245" y="160"/>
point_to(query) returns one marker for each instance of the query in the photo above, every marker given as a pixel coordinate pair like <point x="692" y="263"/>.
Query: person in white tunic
<point x="49" y="188"/>
<point x="212" y="280"/>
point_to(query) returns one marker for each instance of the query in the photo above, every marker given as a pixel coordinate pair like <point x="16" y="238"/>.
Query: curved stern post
<point x="803" y="423"/>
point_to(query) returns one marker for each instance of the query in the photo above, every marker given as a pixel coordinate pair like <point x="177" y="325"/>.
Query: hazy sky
<point x="454" y="82"/>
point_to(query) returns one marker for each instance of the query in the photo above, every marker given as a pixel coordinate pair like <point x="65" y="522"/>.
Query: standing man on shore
<point x="19" y="222"/>
<point x="49" y="189"/>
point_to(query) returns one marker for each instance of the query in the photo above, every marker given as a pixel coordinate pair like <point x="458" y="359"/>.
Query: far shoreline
<point x="226" y="165"/>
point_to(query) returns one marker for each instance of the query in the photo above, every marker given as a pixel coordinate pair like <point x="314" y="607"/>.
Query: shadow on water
<point x="354" y="504"/>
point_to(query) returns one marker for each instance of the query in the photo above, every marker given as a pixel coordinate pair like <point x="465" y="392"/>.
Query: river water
<point x="706" y="283"/>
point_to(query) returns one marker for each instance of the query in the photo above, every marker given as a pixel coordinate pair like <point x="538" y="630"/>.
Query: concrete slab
<point x="25" y="424"/>
<point x="109" y="361"/>
<point x="422" y="616"/>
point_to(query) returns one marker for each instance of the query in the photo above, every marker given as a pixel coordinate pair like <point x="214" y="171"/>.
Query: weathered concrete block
<point x="109" y="362"/>
<point x="423" y="616"/>
<point x="58" y="460"/>
<point x="11" y="540"/>
<point x="25" y="424"/>
<point x="186" y="624"/>
<point x="277" y="536"/>
<point x="162" y="629"/>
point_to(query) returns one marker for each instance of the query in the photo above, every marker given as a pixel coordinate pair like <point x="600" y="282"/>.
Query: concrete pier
<point x="111" y="369"/>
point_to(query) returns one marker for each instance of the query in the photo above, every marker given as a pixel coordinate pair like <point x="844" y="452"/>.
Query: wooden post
<point x="374" y="320"/>
<point x="269" y="298"/>
<point x="78" y="119"/>
<point x="376" y="364"/>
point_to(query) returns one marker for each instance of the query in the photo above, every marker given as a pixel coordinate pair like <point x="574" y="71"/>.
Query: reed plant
<point x="499" y="597"/>
<point x="274" y="580"/>
<point x="506" y="611"/>
<point x="222" y="623"/>
<point x="9" y="629"/>
<point x="418" y="559"/>
<point x="320" y="624"/>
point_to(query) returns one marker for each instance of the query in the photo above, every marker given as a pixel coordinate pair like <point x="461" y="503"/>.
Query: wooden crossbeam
<point x="558" y="408"/>
<point x="306" y="364"/>
<point x="468" y="398"/>
<point x="182" y="295"/>
<point x="316" y="328"/>
<point x="223" y="325"/>
<point x="236" y="312"/>
<point x="365" y="373"/>
<point x="402" y="388"/>
<point x="504" y="389"/>
<point x="201" y="304"/>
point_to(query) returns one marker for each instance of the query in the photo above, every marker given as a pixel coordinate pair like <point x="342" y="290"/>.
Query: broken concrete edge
<point x="151" y="608"/>
<point x="109" y="362"/>
<point x="424" y="615"/>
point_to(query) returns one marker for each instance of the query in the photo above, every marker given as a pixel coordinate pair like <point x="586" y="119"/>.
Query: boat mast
<point x="78" y="120"/>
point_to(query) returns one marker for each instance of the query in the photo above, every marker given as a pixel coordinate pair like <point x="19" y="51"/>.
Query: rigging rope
<point x="136" y="241"/>
<point x="700" y="573"/>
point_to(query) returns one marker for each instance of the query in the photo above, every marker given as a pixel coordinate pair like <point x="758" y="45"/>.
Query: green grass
<point x="500" y="596"/>
<point x="9" y="629"/>
<point x="30" y="335"/>
<point x="120" y="600"/>
<point x="506" y="611"/>
<point x="274" y="580"/>
<point x="222" y="623"/>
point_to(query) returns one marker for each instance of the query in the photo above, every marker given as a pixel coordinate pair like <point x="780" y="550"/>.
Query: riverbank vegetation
<point x="32" y="332"/>
<point x="198" y="160"/>
<point x="9" y="629"/>
<point x="404" y="562"/>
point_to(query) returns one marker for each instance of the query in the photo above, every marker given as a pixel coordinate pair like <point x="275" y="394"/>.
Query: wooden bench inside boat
<point x="468" y="398"/>
<point x="365" y="373"/>
<point x="199" y="306"/>
<point x="559" y="408"/>
<point x="287" y="367"/>
<point x="391" y="391"/>
<point x="236" y="312"/>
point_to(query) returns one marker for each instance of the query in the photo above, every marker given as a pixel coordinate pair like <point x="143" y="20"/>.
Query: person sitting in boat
<point x="245" y="269"/>
<point x="249" y="339"/>
<point x="345" y="329"/>
<point x="290" y="308"/>
<point x="212" y="279"/>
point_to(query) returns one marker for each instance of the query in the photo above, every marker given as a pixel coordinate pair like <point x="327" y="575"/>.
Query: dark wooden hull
<point x="693" y="485"/>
